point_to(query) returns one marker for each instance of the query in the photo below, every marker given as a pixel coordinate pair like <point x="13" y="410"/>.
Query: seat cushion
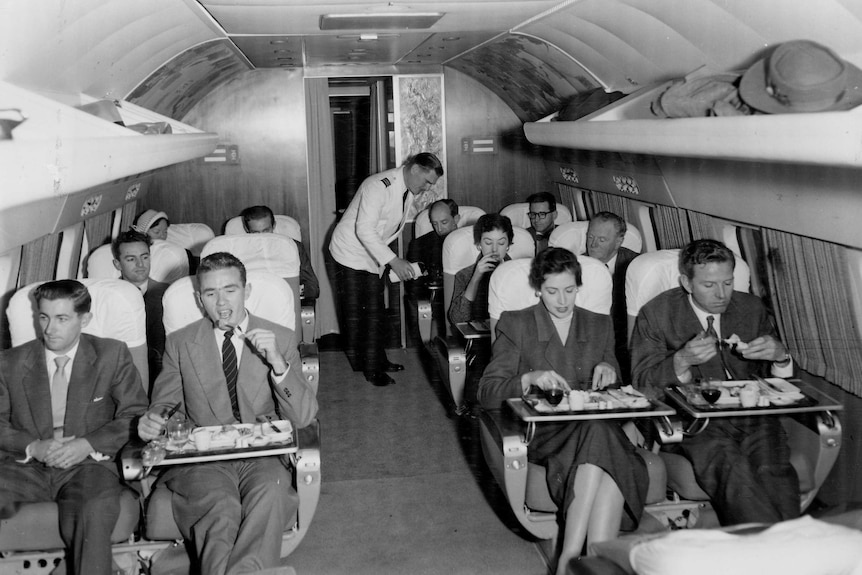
<point x="36" y="527"/>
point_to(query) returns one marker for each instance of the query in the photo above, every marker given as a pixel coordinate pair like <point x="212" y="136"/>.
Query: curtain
<point x="321" y="196"/>
<point x="672" y="229"/>
<point x="98" y="230"/>
<point x="809" y="281"/>
<point x="701" y="226"/>
<point x="38" y="259"/>
<point x="130" y="210"/>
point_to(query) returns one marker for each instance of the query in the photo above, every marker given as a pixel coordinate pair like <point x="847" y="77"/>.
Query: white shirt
<point x="373" y="219"/>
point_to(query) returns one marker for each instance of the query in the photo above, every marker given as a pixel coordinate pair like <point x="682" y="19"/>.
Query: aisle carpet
<point x="404" y="488"/>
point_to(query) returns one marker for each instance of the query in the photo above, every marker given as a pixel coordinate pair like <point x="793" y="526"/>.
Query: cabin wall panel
<point x="261" y="112"/>
<point x="489" y="181"/>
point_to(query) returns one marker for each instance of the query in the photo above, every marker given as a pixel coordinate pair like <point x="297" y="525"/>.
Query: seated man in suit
<point x="605" y="236"/>
<point x="66" y="407"/>
<point x="427" y="249"/>
<point x="231" y="367"/>
<point x="742" y="463"/>
<point x="543" y="212"/>
<point x="131" y="252"/>
<point x="260" y="220"/>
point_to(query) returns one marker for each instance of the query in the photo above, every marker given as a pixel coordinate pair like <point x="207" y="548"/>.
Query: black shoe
<point x="392" y="367"/>
<point x="378" y="378"/>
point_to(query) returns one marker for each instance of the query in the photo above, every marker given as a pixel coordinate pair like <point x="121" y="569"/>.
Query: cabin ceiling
<point x="535" y="54"/>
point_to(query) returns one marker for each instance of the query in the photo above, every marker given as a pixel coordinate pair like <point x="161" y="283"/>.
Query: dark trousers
<point x="743" y="464"/>
<point x="233" y="512"/>
<point x="88" y="501"/>
<point x="360" y="294"/>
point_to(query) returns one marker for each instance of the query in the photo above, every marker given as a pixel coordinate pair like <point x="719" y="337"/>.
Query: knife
<point x="173" y="410"/>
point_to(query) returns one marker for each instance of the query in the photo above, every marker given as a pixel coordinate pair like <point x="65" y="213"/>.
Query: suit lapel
<point x="210" y="376"/>
<point x="38" y="390"/>
<point x="82" y="386"/>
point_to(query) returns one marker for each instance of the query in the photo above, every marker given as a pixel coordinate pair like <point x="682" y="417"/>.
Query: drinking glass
<point x="710" y="392"/>
<point x="178" y="431"/>
<point x="554" y="393"/>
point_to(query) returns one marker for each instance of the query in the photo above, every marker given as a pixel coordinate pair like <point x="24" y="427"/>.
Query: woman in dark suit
<point x="594" y="473"/>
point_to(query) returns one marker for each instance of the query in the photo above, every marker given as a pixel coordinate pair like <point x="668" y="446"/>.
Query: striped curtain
<point x="98" y="230"/>
<point x="130" y="210"/>
<point x="808" y="279"/>
<point x="39" y="260"/>
<point x="701" y="226"/>
<point x="671" y="226"/>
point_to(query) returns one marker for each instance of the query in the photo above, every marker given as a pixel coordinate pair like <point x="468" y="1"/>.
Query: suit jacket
<point x="618" y="310"/>
<point x="428" y="249"/>
<point x="105" y="395"/>
<point x="528" y="341"/>
<point x="667" y="322"/>
<point x="192" y="374"/>
<point x="541" y="241"/>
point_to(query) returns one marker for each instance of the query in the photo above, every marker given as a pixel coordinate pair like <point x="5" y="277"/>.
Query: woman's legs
<point x="595" y="511"/>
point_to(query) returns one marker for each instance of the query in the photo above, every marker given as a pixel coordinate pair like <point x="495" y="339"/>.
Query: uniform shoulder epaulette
<point x="386" y="182"/>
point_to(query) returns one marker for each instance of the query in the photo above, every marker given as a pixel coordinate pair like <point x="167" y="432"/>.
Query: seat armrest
<point x="454" y="370"/>
<point x="307" y="319"/>
<point x="307" y="467"/>
<point x="426" y="319"/>
<point x="310" y="356"/>
<point x="131" y="465"/>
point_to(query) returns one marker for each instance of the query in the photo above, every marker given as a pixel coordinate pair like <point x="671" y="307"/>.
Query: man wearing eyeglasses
<point x="543" y="212"/>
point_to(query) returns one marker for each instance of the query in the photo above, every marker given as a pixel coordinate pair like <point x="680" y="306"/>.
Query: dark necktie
<point x="229" y="365"/>
<point x="710" y="331"/>
<point x="59" y="391"/>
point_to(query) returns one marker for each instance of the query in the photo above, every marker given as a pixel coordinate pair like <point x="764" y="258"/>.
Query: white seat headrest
<point x="191" y="237"/>
<point x="265" y="252"/>
<point x="271" y="298"/>
<point x="652" y="273"/>
<point x="573" y="237"/>
<point x="518" y="214"/>
<point x="510" y="289"/>
<point x="117" y="308"/>
<point x="284" y="225"/>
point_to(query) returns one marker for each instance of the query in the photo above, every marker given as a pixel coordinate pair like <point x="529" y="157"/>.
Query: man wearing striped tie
<point x="231" y="367"/>
<point x="742" y="463"/>
<point x="67" y="402"/>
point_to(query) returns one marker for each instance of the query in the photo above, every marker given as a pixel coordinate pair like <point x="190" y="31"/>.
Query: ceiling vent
<point x="417" y="21"/>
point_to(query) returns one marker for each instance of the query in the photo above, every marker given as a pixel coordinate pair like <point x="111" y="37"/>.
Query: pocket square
<point x="97" y="399"/>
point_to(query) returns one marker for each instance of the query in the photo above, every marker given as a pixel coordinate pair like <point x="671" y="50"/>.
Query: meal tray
<point x="236" y="441"/>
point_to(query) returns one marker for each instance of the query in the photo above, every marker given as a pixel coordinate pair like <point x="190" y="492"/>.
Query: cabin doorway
<point x="361" y="110"/>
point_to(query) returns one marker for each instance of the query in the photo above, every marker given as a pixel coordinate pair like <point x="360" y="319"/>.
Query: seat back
<point x="284" y="225"/>
<point x="191" y="237"/>
<point x="467" y="216"/>
<point x="273" y="253"/>
<point x="652" y="273"/>
<point x="573" y="237"/>
<point x="168" y="262"/>
<point x="118" y="312"/>
<point x="271" y="298"/>
<point x="518" y="214"/>
<point x="510" y="289"/>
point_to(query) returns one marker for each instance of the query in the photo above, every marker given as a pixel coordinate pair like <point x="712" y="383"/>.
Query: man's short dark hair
<point x="540" y="197"/>
<point x="129" y="237"/>
<point x="256" y="213"/>
<point x="491" y="222"/>
<point x="619" y="223"/>
<point x="65" y="289"/>
<point x="221" y="261"/>
<point x="425" y="161"/>
<point x="703" y="252"/>
<point x="552" y="261"/>
<point x="453" y="207"/>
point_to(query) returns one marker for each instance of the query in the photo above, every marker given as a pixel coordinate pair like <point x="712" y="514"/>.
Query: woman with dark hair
<point x="594" y="474"/>
<point x="492" y="234"/>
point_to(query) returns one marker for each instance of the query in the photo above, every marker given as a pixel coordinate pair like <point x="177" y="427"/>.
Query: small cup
<point x="202" y="439"/>
<point x="748" y="397"/>
<point x="576" y="400"/>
